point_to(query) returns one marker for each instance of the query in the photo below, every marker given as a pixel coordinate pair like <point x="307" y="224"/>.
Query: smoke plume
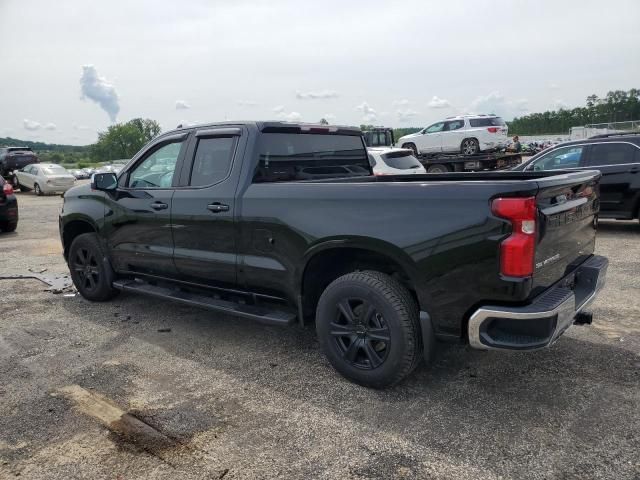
<point x="97" y="88"/>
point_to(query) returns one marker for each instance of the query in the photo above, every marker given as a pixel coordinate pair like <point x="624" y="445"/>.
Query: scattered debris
<point x="164" y="330"/>
<point x="57" y="283"/>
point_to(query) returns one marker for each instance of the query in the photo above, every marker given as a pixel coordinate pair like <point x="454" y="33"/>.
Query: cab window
<point x="566" y="157"/>
<point x="604" y="154"/>
<point x="436" y="127"/>
<point x="454" y="125"/>
<point x="156" y="170"/>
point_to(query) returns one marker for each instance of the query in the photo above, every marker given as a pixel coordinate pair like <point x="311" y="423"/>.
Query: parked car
<point x="467" y="134"/>
<point x="8" y="207"/>
<point x="15" y="158"/>
<point x="616" y="156"/>
<point x="386" y="265"/>
<point x="45" y="178"/>
<point x="394" y="161"/>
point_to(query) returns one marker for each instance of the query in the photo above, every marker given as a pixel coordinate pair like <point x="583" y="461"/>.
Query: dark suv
<point x="15" y="158"/>
<point x="617" y="156"/>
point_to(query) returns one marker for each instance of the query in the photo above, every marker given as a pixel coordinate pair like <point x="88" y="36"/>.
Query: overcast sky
<point x="400" y="63"/>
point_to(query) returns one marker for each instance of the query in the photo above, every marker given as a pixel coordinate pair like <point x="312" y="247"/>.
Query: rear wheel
<point x="90" y="270"/>
<point x="367" y="325"/>
<point x="411" y="146"/>
<point x="470" y="146"/>
<point x="8" y="226"/>
<point x="37" y="190"/>
<point x="437" y="168"/>
<point x="14" y="182"/>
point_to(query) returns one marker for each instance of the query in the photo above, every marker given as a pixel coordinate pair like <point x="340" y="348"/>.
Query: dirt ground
<point x="140" y="388"/>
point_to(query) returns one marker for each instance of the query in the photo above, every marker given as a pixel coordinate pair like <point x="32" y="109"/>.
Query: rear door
<point x="138" y="212"/>
<point x="203" y="208"/>
<point x="619" y="163"/>
<point x="452" y="135"/>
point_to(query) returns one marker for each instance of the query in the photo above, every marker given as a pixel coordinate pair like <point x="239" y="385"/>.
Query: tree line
<point x="616" y="106"/>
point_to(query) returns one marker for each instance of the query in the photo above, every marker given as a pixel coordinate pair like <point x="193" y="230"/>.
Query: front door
<point x="138" y="213"/>
<point x="431" y="141"/>
<point x="619" y="164"/>
<point x="204" y="206"/>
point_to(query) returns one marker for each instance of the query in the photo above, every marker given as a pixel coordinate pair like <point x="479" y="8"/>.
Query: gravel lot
<point x="222" y="397"/>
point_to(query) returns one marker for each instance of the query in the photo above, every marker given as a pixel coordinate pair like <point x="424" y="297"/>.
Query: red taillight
<point x="493" y="129"/>
<point x="7" y="189"/>
<point x="518" y="250"/>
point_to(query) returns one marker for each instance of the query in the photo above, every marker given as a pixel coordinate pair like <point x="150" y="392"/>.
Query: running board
<point x="266" y="315"/>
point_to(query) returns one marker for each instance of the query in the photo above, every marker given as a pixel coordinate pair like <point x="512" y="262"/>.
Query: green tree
<point x="123" y="140"/>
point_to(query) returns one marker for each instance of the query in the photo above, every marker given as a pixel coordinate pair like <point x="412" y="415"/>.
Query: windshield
<point x="55" y="170"/>
<point x="401" y="160"/>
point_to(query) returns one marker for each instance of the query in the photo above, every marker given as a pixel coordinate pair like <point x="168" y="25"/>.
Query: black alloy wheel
<point x="360" y="333"/>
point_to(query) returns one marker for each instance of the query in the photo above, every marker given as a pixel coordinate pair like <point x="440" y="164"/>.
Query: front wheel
<point x="90" y="270"/>
<point x="37" y="190"/>
<point x="470" y="146"/>
<point x="367" y="325"/>
<point x="412" y="147"/>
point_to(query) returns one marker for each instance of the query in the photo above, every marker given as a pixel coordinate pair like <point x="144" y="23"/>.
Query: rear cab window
<point x="286" y="157"/>
<point x="212" y="161"/>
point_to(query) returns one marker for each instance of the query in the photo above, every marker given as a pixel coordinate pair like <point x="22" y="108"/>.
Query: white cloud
<point x="50" y="126"/>
<point x="368" y="113"/>
<point x="247" y="103"/>
<point x="437" y="102"/>
<point x="31" y="125"/>
<point x="496" y="103"/>
<point x="291" y="116"/>
<point x="400" y="103"/>
<point x="559" y="104"/>
<point x="404" y="115"/>
<point x="97" y="88"/>
<point x="554" y="86"/>
<point x="182" y="105"/>
<point x="319" y="95"/>
<point x="80" y="127"/>
<point x="278" y="109"/>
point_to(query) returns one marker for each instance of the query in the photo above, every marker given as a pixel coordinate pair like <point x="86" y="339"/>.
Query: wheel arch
<point x="72" y="229"/>
<point x="331" y="259"/>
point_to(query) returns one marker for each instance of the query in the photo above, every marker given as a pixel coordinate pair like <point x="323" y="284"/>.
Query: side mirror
<point x="104" y="181"/>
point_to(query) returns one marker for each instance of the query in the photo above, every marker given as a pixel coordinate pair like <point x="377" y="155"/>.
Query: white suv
<point x="468" y="134"/>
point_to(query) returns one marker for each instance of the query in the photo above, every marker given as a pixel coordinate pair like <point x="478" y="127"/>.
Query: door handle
<point x="218" y="207"/>
<point x="159" y="206"/>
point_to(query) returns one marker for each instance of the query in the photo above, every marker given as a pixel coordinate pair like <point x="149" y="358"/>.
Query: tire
<point x="90" y="269"/>
<point x="470" y="146"/>
<point x="367" y="325"/>
<point x="8" y="226"/>
<point x="438" y="168"/>
<point x="411" y="146"/>
<point x="37" y="190"/>
<point x="14" y="182"/>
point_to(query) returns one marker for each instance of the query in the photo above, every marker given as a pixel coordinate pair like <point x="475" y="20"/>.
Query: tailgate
<point x="568" y="204"/>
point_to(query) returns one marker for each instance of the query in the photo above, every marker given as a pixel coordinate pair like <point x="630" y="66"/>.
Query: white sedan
<point x="44" y="178"/>
<point x="394" y="161"/>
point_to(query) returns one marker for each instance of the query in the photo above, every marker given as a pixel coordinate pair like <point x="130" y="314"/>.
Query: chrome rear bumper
<point x="540" y="323"/>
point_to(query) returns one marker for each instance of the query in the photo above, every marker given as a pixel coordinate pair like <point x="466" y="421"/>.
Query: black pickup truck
<point x="226" y="216"/>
